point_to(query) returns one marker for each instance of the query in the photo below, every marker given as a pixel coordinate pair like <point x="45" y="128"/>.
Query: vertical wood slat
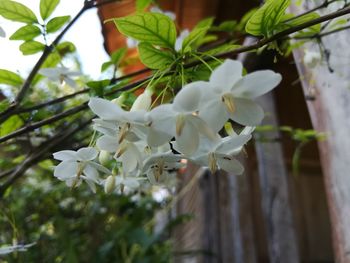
<point x="330" y="113"/>
<point x="276" y="208"/>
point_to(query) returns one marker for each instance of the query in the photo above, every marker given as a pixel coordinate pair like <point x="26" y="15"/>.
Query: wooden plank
<point x="277" y="212"/>
<point x="330" y="113"/>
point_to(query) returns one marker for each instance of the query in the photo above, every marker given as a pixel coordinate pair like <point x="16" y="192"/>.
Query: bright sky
<point x="85" y="34"/>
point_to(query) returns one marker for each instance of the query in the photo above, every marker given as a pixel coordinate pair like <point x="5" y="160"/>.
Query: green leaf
<point x="118" y="55"/>
<point x="56" y="23"/>
<point x="47" y="7"/>
<point x="65" y="48"/>
<point x="196" y="35"/>
<point x="10" y="78"/>
<point x="26" y="33"/>
<point x="154" y="58"/>
<point x="266" y="18"/>
<point x="154" y="28"/>
<point x="289" y="22"/>
<point x="106" y="65"/>
<point x="12" y="124"/>
<point x="31" y="47"/>
<point x="97" y="88"/>
<point x="142" y="4"/>
<point x="226" y="26"/>
<point x="207" y="22"/>
<point x="18" y="12"/>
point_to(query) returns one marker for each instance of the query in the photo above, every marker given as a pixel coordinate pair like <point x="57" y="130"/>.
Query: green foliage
<point x="10" y="125"/>
<point x="116" y="58"/>
<point x="97" y="88"/>
<point x="27" y="32"/>
<point x="288" y="21"/>
<point x="156" y="29"/>
<point x="17" y="12"/>
<point x="154" y="58"/>
<point x="71" y="226"/>
<point x="228" y="26"/>
<point x="192" y="40"/>
<point x="31" y="47"/>
<point x="47" y="7"/>
<point x="141" y="5"/>
<point x="10" y="78"/>
<point x="56" y="23"/>
<point x="264" y="21"/>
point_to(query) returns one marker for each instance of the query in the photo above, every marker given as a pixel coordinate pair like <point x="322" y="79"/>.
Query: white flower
<point x="158" y="167"/>
<point x="180" y="119"/>
<point x="2" y="32"/>
<point x="77" y="166"/>
<point x="61" y="75"/>
<point x="219" y="154"/>
<point x="121" y="182"/>
<point x="228" y="95"/>
<point x="312" y="58"/>
<point x="169" y="14"/>
<point x="180" y="39"/>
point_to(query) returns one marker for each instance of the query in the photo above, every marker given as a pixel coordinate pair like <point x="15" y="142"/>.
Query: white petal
<point x="187" y="100"/>
<point x="247" y="112"/>
<point x="256" y="84"/>
<point x="2" y="32"/>
<point x="226" y="75"/>
<point x="229" y="143"/>
<point x="87" y="154"/>
<point x="66" y="155"/>
<point x="100" y="168"/>
<point x="107" y="143"/>
<point x="130" y="158"/>
<point x="92" y="185"/>
<point x="188" y="140"/>
<point x="66" y="170"/>
<point x="91" y="173"/>
<point x="215" y="115"/>
<point x="132" y="183"/>
<point x="157" y="138"/>
<point x="202" y="127"/>
<point x="106" y="110"/>
<point x="230" y="165"/>
<point x="70" y="82"/>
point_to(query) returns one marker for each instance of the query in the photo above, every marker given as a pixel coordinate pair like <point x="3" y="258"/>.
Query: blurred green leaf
<point x="56" y="23"/>
<point x="17" y="12"/>
<point x="142" y="4"/>
<point x="10" y="125"/>
<point x="47" y="7"/>
<point x="10" y="78"/>
<point x="31" y="47"/>
<point x="26" y="33"/>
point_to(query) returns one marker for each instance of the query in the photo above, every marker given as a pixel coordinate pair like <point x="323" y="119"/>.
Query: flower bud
<point x="109" y="184"/>
<point x="104" y="157"/>
<point x="143" y="101"/>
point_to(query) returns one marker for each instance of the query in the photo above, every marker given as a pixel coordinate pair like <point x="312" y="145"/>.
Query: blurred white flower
<point x="312" y="58"/>
<point x="131" y="43"/>
<point x="60" y="74"/>
<point x="180" y="39"/>
<point x="77" y="166"/>
<point x="7" y="249"/>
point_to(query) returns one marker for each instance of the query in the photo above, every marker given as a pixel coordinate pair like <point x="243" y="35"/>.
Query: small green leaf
<point x="196" y="35"/>
<point x="118" y="55"/>
<point x="18" y="12"/>
<point x="56" y="23"/>
<point x="266" y="18"/>
<point x="154" y="58"/>
<point x="289" y="22"/>
<point x="65" y="48"/>
<point x="26" y="33"/>
<point x="207" y="22"/>
<point x="106" y="65"/>
<point x="10" y="78"/>
<point x="31" y="47"/>
<point x="227" y="26"/>
<point x="10" y="125"/>
<point x="142" y="4"/>
<point x="47" y="7"/>
<point x="154" y="28"/>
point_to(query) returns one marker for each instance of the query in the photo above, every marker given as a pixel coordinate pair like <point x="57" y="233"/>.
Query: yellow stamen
<point x="228" y="100"/>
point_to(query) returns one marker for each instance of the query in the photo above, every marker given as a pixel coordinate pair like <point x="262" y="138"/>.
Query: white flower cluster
<point x="152" y="143"/>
